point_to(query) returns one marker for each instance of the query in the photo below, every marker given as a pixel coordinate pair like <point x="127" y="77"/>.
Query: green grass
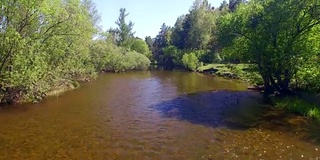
<point x="209" y="66"/>
<point x="299" y="106"/>
<point x="222" y="67"/>
<point x="237" y="69"/>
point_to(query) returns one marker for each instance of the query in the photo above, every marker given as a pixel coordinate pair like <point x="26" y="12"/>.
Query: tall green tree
<point x="124" y="31"/>
<point x="198" y="25"/>
<point x="162" y="40"/>
<point x="273" y="37"/>
<point x="149" y="42"/>
<point x="180" y="33"/>
<point x="194" y="30"/>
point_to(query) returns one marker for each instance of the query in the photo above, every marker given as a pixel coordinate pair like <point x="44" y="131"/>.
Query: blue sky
<point x="147" y="15"/>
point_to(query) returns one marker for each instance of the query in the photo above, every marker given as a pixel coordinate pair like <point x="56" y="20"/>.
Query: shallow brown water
<point x="155" y="115"/>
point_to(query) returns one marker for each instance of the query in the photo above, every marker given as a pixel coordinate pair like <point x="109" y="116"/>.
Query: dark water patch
<point x="232" y="109"/>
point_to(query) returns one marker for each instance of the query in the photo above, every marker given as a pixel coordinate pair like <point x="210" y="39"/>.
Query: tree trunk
<point x="284" y="84"/>
<point x="268" y="88"/>
<point x="285" y="89"/>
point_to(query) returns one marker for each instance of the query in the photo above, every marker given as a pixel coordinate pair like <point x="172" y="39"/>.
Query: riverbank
<point x="301" y="104"/>
<point x="63" y="86"/>
<point x="231" y="71"/>
<point x="11" y="96"/>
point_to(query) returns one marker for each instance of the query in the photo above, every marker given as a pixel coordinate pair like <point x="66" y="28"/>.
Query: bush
<point x="141" y="46"/>
<point x="190" y="61"/>
<point x="308" y="77"/>
<point x="127" y="61"/>
<point x="108" y="57"/>
<point x="173" y="53"/>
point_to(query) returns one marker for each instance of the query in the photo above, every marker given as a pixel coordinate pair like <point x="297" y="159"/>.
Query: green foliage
<point x="100" y="51"/>
<point x="107" y="57"/>
<point x="162" y="40"/>
<point x="202" y="24"/>
<point x="173" y="54"/>
<point x="190" y="61"/>
<point x="193" y="32"/>
<point x="272" y="37"/>
<point x="49" y="43"/>
<point x="140" y="46"/>
<point x="127" y="61"/>
<point x="308" y="77"/>
<point x="44" y="43"/>
<point x="124" y="33"/>
<point x="299" y="106"/>
<point x="149" y="41"/>
<point x="131" y="53"/>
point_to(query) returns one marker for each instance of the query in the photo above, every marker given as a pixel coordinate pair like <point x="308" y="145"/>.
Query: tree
<point x="172" y="56"/>
<point x="179" y="36"/>
<point x="140" y="46"/>
<point x="200" y="22"/>
<point x="149" y="42"/>
<point x="233" y="4"/>
<point x="124" y="31"/>
<point x="272" y="37"/>
<point x="190" y="61"/>
<point x="93" y="14"/>
<point x="223" y="6"/>
<point x="162" y="40"/>
<point x="44" y="43"/>
<point x="194" y="30"/>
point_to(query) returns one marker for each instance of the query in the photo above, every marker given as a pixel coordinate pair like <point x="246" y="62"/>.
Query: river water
<point x="156" y="115"/>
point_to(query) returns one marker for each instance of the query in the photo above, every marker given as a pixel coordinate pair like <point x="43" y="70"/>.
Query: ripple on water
<point x="155" y="115"/>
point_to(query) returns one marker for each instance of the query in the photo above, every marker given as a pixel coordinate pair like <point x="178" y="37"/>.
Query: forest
<point x="50" y="44"/>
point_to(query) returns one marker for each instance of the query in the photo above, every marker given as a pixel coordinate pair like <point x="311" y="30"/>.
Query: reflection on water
<point x="155" y="115"/>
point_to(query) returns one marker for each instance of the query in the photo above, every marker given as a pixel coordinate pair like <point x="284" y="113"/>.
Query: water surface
<point x="155" y="115"/>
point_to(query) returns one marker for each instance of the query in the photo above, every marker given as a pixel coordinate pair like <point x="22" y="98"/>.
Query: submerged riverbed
<point x="156" y="115"/>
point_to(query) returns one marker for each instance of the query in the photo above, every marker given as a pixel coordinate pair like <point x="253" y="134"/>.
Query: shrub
<point x="190" y="61"/>
<point x="108" y="57"/>
<point x="308" y="77"/>
<point x="141" y="46"/>
<point x="173" y="53"/>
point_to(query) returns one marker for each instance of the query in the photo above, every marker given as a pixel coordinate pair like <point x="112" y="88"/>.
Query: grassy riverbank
<point x="234" y="71"/>
<point x="231" y="71"/>
<point x="299" y="106"/>
<point x="63" y="86"/>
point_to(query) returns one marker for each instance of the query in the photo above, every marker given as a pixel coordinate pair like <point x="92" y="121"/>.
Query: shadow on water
<point x="213" y="109"/>
<point x="238" y="110"/>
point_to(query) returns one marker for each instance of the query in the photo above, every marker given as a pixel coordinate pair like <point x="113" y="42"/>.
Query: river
<point x="156" y="115"/>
